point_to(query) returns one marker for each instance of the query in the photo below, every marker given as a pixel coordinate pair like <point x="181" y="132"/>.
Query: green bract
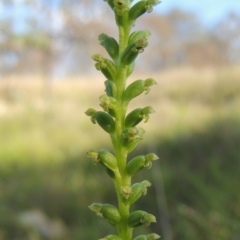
<point x="120" y="124"/>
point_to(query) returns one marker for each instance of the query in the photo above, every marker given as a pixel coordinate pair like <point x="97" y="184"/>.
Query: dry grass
<point x="50" y="114"/>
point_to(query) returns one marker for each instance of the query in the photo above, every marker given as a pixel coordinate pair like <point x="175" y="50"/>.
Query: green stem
<point x="121" y="154"/>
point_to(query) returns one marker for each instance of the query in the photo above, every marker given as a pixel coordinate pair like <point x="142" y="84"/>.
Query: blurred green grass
<point x="44" y="135"/>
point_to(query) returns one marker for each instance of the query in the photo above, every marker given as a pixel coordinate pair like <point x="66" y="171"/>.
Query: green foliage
<point x="41" y="168"/>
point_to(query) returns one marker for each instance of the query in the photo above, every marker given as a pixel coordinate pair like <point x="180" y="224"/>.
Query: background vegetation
<point x="195" y="132"/>
<point x="47" y="81"/>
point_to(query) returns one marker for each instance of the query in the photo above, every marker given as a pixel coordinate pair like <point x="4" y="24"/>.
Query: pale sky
<point x="209" y="11"/>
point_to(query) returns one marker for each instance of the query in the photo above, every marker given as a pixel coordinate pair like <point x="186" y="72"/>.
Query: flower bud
<point x="151" y="236"/>
<point x="149" y="158"/>
<point x="137" y="35"/>
<point x="137" y="10"/>
<point x="106" y="66"/>
<point x="132" y="50"/>
<point x="126" y="191"/>
<point x="137" y="87"/>
<point x="131" y="136"/>
<point x="120" y="7"/>
<point x="111" y="213"/>
<point x="107" y="211"/>
<point x="138" y="189"/>
<point x="92" y="113"/>
<point x="140" y="162"/>
<point x="107" y="159"/>
<point x="105" y="121"/>
<point x="107" y="102"/>
<point x="94" y="155"/>
<point x="139" y="218"/>
<point x="111" y="237"/>
<point x="137" y="115"/>
<point x="110" y="44"/>
<point x="110" y="88"/>
<point x="135" y="165"/>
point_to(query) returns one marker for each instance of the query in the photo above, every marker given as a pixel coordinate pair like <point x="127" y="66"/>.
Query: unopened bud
<point x="107" y="159"/>
<point x="138" y="87"/>
<point x="110" y="44"/>
<point x="105" y="121"/>
<point x="140" y="162"/>
<point x="138" y="189"/>
<point x="139" y="218"/>
<point x="137" y="115"/>
<point x="107" y="211"/>
<point x="137" y="35"/>
<point x="132" y="50"/>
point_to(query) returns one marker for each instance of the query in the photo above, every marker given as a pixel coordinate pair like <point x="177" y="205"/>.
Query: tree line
<point x="59" y="37"/>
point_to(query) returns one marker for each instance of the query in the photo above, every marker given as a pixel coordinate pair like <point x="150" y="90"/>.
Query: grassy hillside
<point x="44" y="135"/>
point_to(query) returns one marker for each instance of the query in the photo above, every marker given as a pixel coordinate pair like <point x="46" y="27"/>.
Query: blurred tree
<point x="59" y="36"/>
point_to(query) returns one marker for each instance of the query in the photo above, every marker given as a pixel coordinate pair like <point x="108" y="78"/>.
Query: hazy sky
<point x="209" y="11"/>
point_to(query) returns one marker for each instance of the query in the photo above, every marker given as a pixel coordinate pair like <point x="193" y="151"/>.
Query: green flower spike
<point x="106" y="66"/>
<point x="151" y="236"/>
<point x="107" y="211"/>
<point x="139" y="218"/>
<point x="138" y="189"/>
<point x="111" y="237"/>
<point x="122" y="124"/>
<point x="137" y="115"/>
<point x="136" y="88"/>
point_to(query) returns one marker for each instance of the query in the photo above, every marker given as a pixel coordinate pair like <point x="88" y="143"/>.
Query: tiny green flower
<point x="106" y="211"/>
<point x="106" y="66"/>
<point x="139" y="218"/>
<point x="132" y="51"/>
